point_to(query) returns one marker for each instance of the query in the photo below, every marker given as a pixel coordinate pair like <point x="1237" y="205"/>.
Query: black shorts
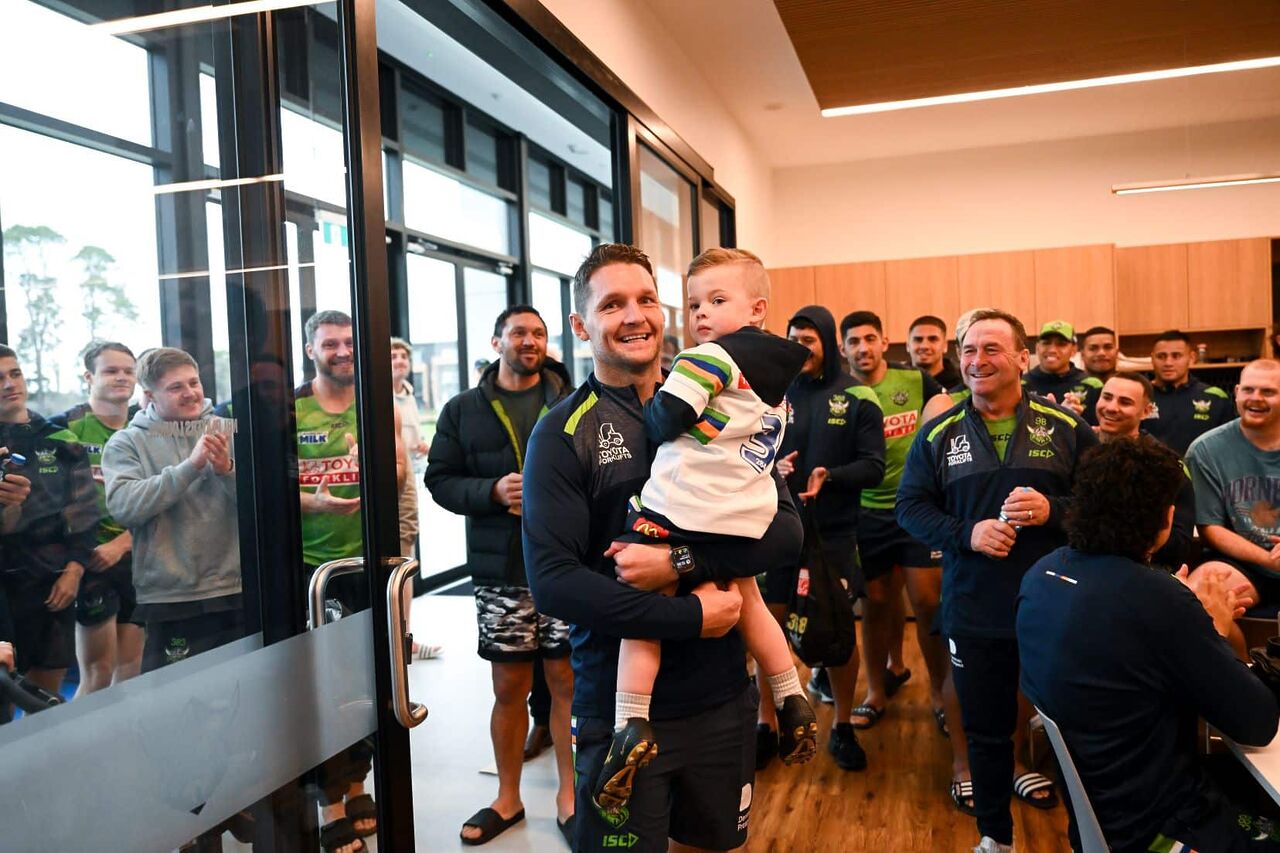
<point x="883" y="544"/>
<point x="513" y="631"/>
<point x="175" y="640"/>
<point x="840" y="551"/>
<point x="697" y="791"/>
<point x="107" y="594"/>
<point x="42" y="639"/>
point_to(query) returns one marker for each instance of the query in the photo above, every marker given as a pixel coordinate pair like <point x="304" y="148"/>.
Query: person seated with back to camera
<point x="1126" y="657"/>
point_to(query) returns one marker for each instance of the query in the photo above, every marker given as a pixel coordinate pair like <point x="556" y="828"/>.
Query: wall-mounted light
<point x="1064" y="86"/>
<point x="196" y="15"/>
<point x="1196" y="183"/>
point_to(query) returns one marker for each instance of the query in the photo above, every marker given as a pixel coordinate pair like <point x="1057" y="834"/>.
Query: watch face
<point x="681" y="559"/>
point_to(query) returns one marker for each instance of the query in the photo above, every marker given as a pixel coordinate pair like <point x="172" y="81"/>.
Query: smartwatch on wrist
<point x="681" y="561"/>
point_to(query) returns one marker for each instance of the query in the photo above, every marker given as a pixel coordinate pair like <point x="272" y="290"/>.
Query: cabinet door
<point x="1004" y="280"/>
<point x="851" y="287"/>
<point x="917" y="287"/>
<point x="791" y="289"/>
<point x="1076" y="284"/>
<point x="1229" y="284"/>
<point x="1151" y="288"/>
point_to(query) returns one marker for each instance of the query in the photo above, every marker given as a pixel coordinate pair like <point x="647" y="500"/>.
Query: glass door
<point x="201" y="604"/>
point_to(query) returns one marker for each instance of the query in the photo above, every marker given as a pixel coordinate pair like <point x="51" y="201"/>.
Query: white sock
<point x="627" y="706"/>
<point x="784" y="684"/>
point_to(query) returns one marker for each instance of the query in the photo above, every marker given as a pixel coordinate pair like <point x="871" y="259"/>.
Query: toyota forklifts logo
<point x="958" y="453"/>
<point x="611" y="444"/>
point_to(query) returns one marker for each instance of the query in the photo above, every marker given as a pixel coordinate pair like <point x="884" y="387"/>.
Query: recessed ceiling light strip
<point x="196" y="15"/>
<point x="1196" y="183"/>
<point x="213" y="184"/>
<point x="1065" y="86"/>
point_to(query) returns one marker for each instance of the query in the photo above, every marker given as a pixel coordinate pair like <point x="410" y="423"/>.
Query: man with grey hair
<point x="170" y="480"/>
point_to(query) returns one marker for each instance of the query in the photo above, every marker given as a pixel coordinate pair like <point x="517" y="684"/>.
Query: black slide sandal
<point x="491" y="825"/>
<point x="362" y="807"/>
<point x="338" y="834"/>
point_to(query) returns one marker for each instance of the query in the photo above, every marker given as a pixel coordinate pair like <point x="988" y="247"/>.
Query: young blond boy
<point x="719" y="416"/>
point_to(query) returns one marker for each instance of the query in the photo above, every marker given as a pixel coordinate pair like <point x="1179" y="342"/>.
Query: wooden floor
<point x="900" y="802"/>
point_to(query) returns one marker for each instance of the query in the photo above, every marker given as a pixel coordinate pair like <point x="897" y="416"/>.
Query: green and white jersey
<point x="325" y="457"/>
<point x="902" y="394"/>
<point x="92" y="434"/>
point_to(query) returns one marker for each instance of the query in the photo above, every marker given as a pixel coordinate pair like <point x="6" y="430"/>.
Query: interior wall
<point x="1026" y="196"/>
<point x="637" y="47"/>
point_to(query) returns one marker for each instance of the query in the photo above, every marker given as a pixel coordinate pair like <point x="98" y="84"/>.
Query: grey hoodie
<point x="186" y="544"/>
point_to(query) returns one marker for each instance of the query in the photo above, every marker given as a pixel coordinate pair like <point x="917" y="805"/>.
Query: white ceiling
<point x="753" y="67"/>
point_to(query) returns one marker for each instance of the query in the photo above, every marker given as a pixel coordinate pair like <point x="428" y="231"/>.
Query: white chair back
<point x="1091" y="838"/>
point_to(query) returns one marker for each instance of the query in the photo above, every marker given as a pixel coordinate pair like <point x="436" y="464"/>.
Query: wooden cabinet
<point x="851" y="287"/>
<point x="1076" y="284"/>
<point x="1151" y="288"/>
<point x="1229" y="284"/>
<point x="791" y="289"/>
<point x="1221" y="286"/>
<point x="1004" y="280"/>
<point x="916" y="287"/>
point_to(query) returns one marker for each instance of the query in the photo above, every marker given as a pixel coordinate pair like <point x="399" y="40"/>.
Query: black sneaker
<point x="632" y="748"/>
<point x="846" y="750"/>
<point x="797" y="731"/>
<point x="766" y="746"/>
<point x="820" y="686"/>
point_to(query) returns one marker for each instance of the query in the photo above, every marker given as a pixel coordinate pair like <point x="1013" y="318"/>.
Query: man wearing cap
<point x="1057" y="377"/>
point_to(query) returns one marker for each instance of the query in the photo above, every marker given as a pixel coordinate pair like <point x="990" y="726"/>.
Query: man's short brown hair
<point x="1019" y="331"/>
<point x="1134" y="376"/>
<point x="606" y="254"/>
<point x="757" y="283"/>
<point x="155" y="363"/>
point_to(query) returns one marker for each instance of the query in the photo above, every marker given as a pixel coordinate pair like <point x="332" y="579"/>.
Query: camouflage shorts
<point x="512" y="630"/>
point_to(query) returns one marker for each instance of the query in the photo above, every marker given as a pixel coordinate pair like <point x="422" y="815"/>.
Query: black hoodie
<point x="835" y="422"/>
<point x="475" y="445"/>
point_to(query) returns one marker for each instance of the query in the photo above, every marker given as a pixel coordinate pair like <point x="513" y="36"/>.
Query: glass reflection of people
<point x="670" y="349"/>
<point x="48" y="537"/>
<point x="416" y="448"/>
<point x="329" y="486"/>
<point x="171" y="481"/>
<point x="108" y="629"/>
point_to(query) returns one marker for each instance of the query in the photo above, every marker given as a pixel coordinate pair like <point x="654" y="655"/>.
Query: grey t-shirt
<point x="1237" y="485"/>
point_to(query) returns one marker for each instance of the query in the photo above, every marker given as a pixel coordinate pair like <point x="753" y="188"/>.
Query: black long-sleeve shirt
<point x="59" y="519"/>
<point x="586" y="458"/>
<point x="1182" y="414"/>
<point x="1124" y="658"/>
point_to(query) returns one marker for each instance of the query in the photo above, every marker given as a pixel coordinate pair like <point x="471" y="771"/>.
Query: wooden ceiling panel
<point x="869" y="51"/>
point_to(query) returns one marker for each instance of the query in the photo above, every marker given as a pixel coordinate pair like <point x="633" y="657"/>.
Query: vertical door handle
<point x="408" y="713"/>
<point x="318" y="586"/>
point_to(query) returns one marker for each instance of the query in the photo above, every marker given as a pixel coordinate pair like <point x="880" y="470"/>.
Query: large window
<point x="666" y="230"/>
<point x="443" y="206"/>
<point x="75" y="272"/>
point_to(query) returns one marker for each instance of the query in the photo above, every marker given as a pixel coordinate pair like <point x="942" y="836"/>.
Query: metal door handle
<point x="319" y="585"/>
<point x="408" y="713"/>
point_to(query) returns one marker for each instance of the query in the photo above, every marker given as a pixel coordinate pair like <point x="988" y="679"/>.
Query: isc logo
<point x="628" y="840"/>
